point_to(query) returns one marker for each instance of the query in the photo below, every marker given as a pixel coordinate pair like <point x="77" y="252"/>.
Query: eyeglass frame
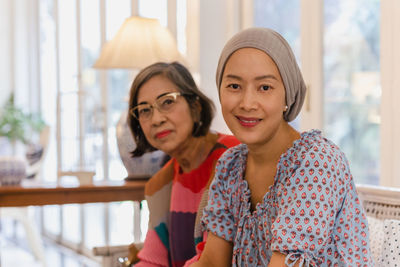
<point x="155" y="105"/>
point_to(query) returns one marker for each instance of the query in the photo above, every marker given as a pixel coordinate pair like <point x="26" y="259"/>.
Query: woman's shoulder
<point x="312" y="143"/>
<point x="318" y="156"/>
<point x="229" y="168"/>
<point x="232" y="160"/>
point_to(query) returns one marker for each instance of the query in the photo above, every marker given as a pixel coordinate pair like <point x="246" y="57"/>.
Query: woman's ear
<point x="196" y="109"/>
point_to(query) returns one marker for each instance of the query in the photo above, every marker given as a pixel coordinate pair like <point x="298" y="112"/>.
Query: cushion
<point x="384" y="241"/>
<point x="391" y="244"/>
<point x="376" y="236"/>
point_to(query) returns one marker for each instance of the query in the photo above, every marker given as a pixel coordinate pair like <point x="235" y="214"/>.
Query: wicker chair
<point x="379" y="202"/>
<point x="382" y="206"/>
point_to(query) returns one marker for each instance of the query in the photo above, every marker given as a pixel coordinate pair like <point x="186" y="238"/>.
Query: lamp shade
<point x="138" y="43"/>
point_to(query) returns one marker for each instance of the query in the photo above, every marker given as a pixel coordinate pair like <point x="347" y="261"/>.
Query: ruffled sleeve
<point x="309" y="198"/>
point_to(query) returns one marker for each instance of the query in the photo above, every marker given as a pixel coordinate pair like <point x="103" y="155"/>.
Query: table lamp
<point x="138" y="43"/>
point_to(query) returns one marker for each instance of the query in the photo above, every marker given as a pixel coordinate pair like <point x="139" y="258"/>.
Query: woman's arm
<point x="217" y="252"/>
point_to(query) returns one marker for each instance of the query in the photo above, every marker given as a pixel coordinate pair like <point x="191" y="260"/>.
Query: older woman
<point x="169" y="113"/>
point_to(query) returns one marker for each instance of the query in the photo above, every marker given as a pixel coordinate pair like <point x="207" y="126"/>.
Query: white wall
<point x="390" y="111"/>
<point x="5" y="28"/>
<point x="21" y="56"/>
<point x="18" y="49"/>
<point x="212" y="38"/>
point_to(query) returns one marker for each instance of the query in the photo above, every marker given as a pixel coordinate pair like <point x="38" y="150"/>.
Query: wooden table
<point x="35" y="194"/>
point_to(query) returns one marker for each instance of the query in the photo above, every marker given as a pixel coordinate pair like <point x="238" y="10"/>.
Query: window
<point x="351" y="71"/>
<point x="86" y="104"/>
<point x="352" y="83"/>
<point x="270" y="13"/>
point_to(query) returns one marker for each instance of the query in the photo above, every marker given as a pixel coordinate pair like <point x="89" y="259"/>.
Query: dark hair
<point x="181" y="77"/>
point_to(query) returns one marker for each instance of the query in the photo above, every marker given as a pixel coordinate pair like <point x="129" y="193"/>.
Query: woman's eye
<point x="265" y="87"/>
<point x="144" y="111"/>
<point x="167" y="102"/>
<point x="234" y="86"/>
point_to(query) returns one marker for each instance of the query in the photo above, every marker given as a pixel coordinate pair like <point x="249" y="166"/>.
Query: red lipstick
<point x="248" y="122"/>
<point x="163" y="134"/>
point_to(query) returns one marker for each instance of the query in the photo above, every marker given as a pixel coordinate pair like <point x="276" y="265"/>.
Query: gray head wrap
<point x="279" y="50"/>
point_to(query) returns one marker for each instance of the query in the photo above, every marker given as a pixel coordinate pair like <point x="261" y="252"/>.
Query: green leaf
<point x="16" y="125"/>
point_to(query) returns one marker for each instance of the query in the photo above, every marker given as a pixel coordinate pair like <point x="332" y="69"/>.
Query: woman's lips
<point x="163" y="134"/>
<point x="248" y="122"/>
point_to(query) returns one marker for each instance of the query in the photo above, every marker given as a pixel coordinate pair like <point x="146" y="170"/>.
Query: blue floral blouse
<point x="311" y="213"/>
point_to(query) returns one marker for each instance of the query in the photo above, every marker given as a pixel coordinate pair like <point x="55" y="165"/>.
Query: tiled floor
<point x="18" y="254"/>
<point x="12" y="255"/>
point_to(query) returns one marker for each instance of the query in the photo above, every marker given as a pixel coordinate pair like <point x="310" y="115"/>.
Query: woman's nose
<point x="157" y="117"/>
<point x="249" y="99"/>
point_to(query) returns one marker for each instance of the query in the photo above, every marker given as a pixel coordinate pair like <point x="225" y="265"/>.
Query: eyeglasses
<point x="164" y="104"/>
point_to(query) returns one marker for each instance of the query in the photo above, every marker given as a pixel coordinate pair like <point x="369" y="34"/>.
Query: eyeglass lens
<point x="164" y="104"/>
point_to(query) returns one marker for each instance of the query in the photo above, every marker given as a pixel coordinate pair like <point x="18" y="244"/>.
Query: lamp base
<point x="140" y="167"/>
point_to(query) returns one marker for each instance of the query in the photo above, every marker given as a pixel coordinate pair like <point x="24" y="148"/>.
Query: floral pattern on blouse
<point x="311" y="213"/>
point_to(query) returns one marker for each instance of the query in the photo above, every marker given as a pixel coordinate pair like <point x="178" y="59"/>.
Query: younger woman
<point x="281" y="198"/>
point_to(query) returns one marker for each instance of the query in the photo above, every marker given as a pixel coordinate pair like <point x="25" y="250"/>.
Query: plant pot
<point x="12" y="170"/>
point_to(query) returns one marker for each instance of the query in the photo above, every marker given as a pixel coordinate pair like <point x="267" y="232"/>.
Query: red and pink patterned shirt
<point x="173" y="198"/>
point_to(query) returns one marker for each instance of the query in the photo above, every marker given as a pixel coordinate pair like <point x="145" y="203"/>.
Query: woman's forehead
<point x="155" y="87"/>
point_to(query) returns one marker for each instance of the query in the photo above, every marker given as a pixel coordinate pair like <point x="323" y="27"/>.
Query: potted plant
<point x="17" y="127"/>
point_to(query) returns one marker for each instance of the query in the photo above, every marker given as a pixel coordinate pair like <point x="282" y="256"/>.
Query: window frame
<point x="312" y="69"/>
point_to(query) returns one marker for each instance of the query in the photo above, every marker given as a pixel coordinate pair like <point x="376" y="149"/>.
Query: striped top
<point x="173" y="199"/>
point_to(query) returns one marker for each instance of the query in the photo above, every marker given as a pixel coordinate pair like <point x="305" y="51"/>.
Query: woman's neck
<point x="195" y="152"/>
<point x="262" y="162"/>
<point x="269" y="153"/>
